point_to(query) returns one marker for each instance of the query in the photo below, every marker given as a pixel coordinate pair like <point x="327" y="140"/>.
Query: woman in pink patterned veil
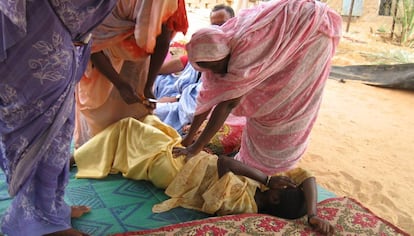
<point x="269" y="64"/>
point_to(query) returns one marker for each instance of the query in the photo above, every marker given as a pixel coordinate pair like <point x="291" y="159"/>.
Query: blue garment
<point x="187" y="84"/>
<point x="39" y="67"/>
<point x="178" y="114"/>
<point x="171" y="85"/>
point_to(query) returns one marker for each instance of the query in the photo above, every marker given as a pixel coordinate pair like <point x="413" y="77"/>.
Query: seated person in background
<point x="204" y="182"/>
<point x="176" y="88"/>
<point x="221" y="14"/>
<point x="177" y="97"/>
<point x="164" y="89"/>
<point x="172" y="68"/>
<point x="175" y="75"/>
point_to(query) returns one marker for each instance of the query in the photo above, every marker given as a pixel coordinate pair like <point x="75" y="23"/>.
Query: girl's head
<point x="288" y="203"/>
<point x="220" y="14"/>
<point x="208" y="50"/>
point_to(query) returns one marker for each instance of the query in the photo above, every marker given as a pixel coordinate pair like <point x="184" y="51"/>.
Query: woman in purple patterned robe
<point x="39" y="67"/>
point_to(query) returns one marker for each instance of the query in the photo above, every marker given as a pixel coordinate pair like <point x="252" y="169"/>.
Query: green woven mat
<point x="120" y="205"/>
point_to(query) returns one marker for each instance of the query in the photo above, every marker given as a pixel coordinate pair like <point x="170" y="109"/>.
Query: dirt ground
<point x="363" y="141"/>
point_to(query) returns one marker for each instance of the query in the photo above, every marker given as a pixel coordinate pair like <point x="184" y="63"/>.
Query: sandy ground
<point x="361" y="147"/>
<point x="363" y="141"/>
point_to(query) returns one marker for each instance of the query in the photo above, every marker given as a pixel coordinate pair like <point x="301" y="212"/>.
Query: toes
<point x="78" y="211"/>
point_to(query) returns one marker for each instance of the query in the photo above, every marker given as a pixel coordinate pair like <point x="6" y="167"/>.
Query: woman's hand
<point x="321" y="226"/>
<point x="149" y="102"/>
<point x="188" y="152"/>
<point x="187" y="141"/>
<point x="130" y="96"/>
<point x="278" y="182"/>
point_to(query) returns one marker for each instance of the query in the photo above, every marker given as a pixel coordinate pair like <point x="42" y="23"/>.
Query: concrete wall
<point x="369" y="17"/>
<point x="369" y="12"/>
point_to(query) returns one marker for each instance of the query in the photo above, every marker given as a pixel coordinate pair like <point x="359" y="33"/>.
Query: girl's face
<point x="217" y="67"/>
<point x="272" y="197"/>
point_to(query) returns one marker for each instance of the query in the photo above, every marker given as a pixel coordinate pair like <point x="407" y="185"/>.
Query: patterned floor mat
<point x="120" y="205"/>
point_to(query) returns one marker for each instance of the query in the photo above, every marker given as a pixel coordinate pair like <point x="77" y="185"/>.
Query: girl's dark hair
<point x="228" y="9"/>
<point x="292" y="204"/>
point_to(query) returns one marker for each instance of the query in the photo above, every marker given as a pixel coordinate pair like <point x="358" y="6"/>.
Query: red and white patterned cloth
<point x="348" y="217"/>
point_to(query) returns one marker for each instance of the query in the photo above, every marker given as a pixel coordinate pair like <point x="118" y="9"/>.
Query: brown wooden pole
<point x="350" y="16"/>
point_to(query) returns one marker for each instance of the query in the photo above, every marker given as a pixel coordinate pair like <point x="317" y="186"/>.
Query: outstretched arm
<point x="216" y="121"/>
<point x="172" y="66"/>
<point x="157" y="59"/>
<point x="217" y="118"/>
<point x="227" y="164"/>
<point x="104" y="65"/>
<point x="311" y="196"/>
<point x="195" y="126"/>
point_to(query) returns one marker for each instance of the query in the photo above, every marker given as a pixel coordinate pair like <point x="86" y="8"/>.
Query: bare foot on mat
<point x="78" y="211"/>
<point x="68" y="232"/>
<point x="72" y="162"/>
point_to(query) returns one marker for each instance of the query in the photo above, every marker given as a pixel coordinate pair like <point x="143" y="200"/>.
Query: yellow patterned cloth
<point x="143" y="151"/>
<point x="198" y="187"/>
<point x="139" y="150"/>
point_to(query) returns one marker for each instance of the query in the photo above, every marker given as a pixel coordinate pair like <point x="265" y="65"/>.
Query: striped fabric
<point x="280" y="56"/>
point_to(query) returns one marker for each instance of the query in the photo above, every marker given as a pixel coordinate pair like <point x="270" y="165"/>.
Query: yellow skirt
<point x="198" y="187"/>
<point x="139" y="150"/>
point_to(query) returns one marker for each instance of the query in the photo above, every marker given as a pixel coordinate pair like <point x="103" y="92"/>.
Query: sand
<point x="361" y="147"/>
<point x="363" y="140"/>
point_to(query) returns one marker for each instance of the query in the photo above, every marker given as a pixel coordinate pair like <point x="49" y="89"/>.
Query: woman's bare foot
<point x="68" y="232"/>
<point x="72" y="162"/>
<point x="78" y="211"/>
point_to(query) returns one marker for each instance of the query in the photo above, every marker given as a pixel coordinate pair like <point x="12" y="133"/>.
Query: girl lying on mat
<point x="208" y="183"/>
<point x="223" y="186"/>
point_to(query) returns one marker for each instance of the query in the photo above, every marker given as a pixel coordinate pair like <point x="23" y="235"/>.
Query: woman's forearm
<point x="227" y="164"/>
<point x="311" y="195"/>
<point x="172" y="66"/>
<point x="216" y="121"/>
<point x="104" y="65"/>
<point x="157" y="58"/>
<point x="196" y="123"/>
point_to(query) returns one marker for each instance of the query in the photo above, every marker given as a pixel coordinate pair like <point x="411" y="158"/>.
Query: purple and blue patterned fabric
<point x="39" y="67"/>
